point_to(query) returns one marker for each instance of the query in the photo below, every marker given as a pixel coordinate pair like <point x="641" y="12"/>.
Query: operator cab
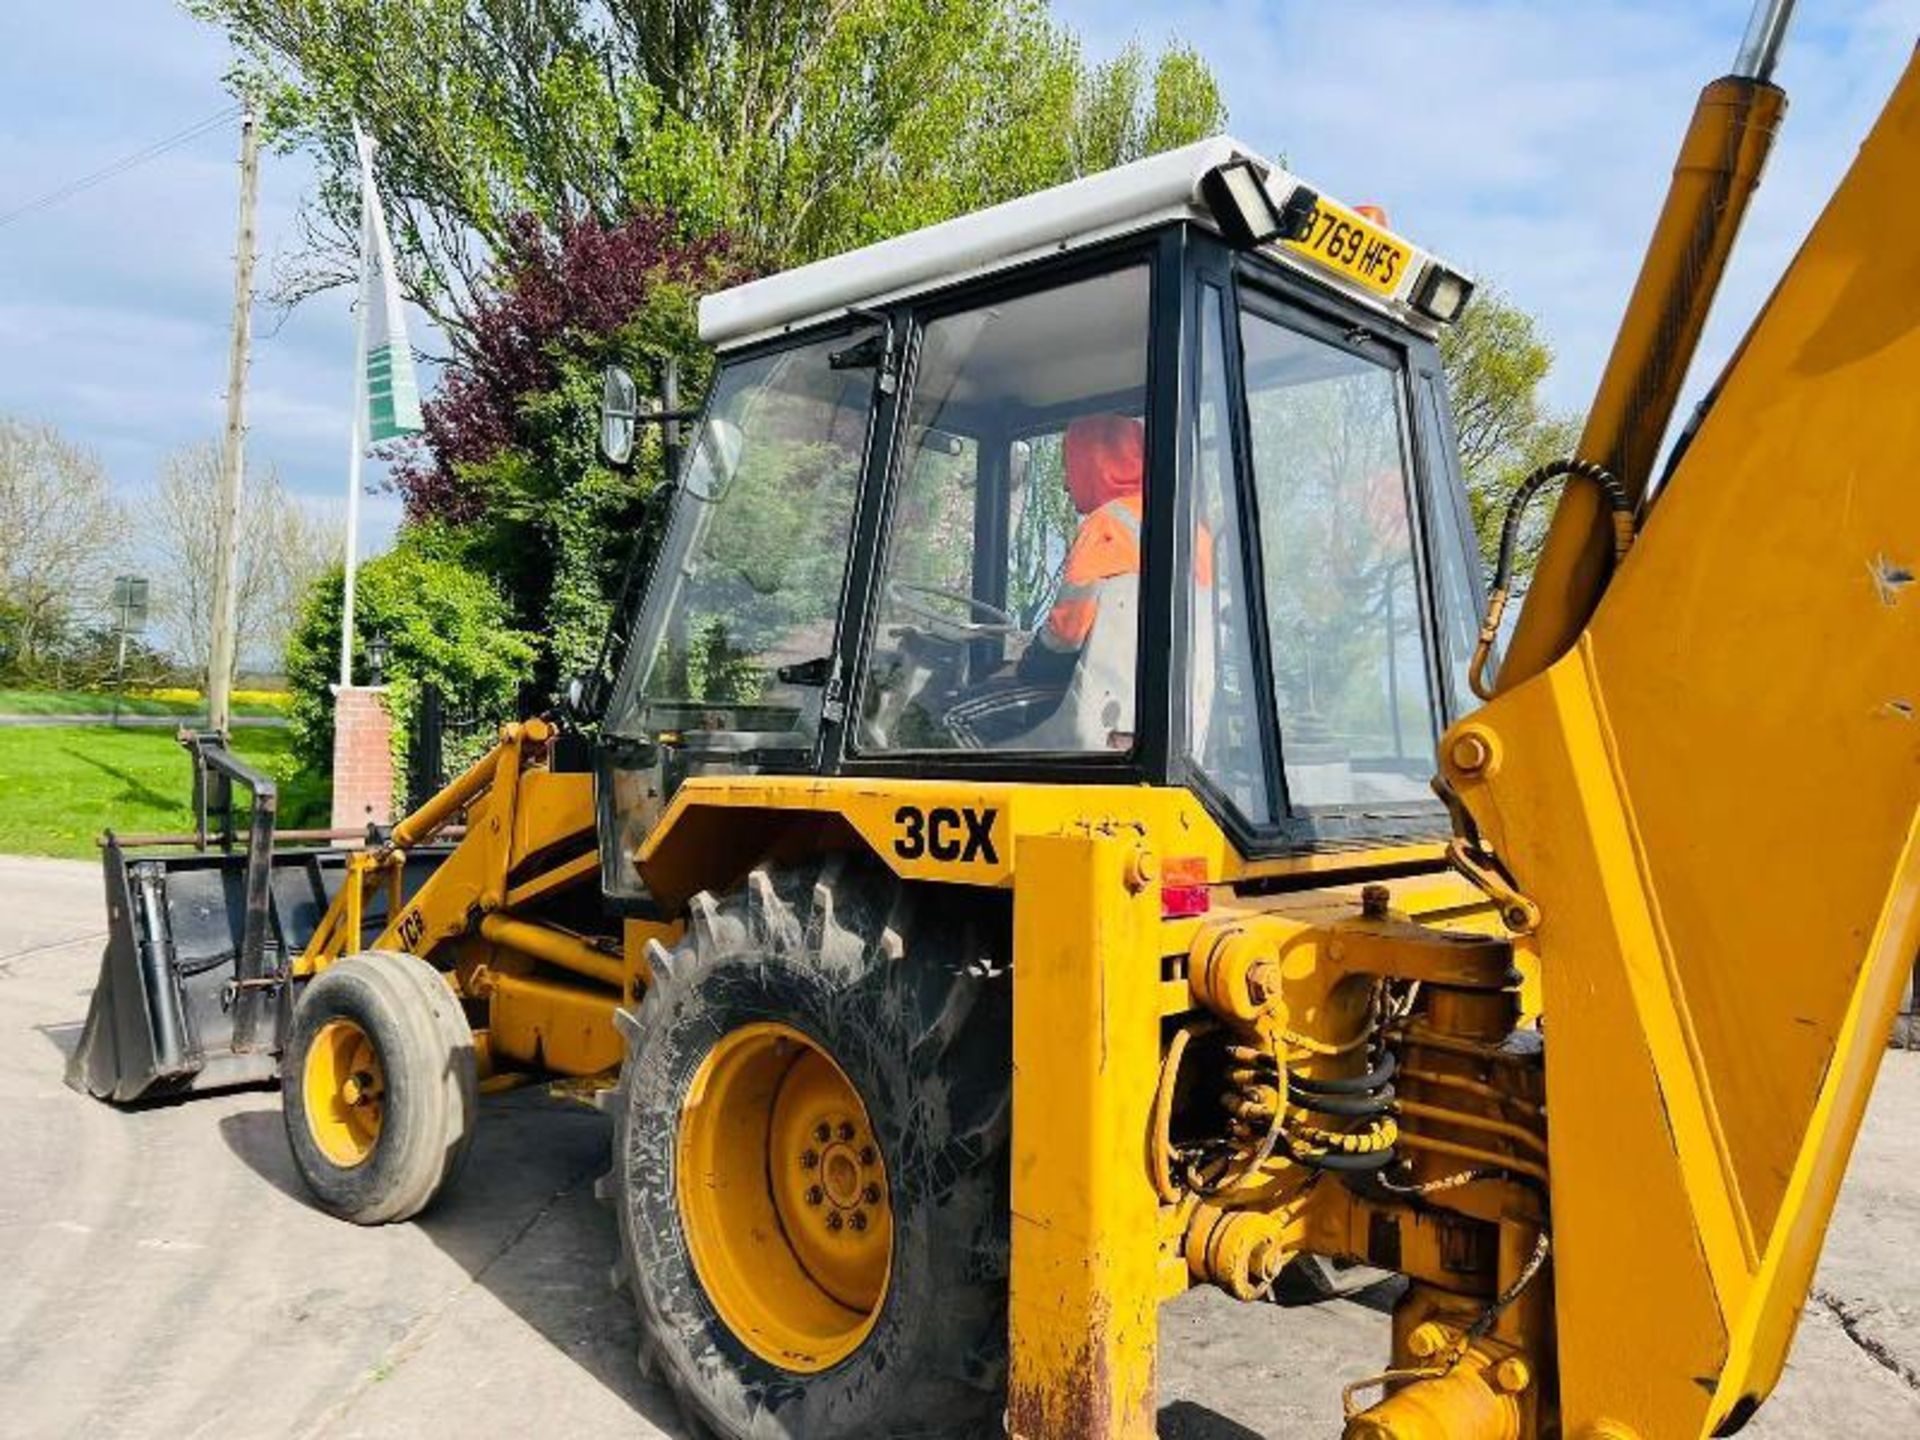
<point x="1145" y="479"/>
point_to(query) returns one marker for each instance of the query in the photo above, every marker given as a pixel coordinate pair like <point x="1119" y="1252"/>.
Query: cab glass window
<point x="1349" y="651"/>
<point x="739" y="629"/>
<point x="1456" y="557"/>
<point x="733" y="651"/>
<point x="1007" y="612"/>
<point x="1223" y="724"/>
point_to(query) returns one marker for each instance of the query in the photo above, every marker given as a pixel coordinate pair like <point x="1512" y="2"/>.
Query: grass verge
<point x="92" y="702"/>
<point x="61" y="786"/>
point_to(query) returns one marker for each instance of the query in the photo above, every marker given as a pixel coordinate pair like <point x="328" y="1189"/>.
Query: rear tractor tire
<point x="810" y="1159"/>
<point x="378" y="1087"/>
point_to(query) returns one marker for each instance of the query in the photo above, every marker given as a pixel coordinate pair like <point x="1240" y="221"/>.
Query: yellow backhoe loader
<point x="1013" y="884"/>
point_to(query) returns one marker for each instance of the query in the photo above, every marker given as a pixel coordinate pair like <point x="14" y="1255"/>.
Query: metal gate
<point x="446" y="739"/>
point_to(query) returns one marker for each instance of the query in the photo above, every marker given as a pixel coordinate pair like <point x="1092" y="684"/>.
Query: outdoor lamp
<point x="376" y="659"/>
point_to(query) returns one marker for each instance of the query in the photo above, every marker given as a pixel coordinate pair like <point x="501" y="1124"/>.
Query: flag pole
<point x="358" y="443"/>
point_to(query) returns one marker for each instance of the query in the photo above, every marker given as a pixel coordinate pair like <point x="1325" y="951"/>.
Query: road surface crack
<point x="1854" y="1327"/>
<point x="404" y="1349"/>
<point x="7" y="962"/>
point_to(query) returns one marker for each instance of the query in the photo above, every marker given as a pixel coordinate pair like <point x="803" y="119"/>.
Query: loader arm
<point x="1712" y="801"/>
<point x="516" y="810"/>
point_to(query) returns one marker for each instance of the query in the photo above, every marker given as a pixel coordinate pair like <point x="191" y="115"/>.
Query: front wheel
<point x="378" y="1087"/>
<point x="810" y="1160"/>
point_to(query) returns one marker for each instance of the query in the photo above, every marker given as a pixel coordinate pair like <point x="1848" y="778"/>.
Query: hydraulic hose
<point x="1619" y="507"/>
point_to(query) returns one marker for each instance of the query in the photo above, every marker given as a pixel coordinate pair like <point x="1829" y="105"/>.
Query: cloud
<point x="115" y="305"/>
<point x="1532" y="142"/>
<point x="1528" y="141"/>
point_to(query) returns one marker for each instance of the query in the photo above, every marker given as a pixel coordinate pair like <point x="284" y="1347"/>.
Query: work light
<point x="1237" y="195"/>
<point x="1442" y="293"/>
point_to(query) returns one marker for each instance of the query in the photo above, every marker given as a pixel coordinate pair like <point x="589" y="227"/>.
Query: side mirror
<point x="619" y="415"/>
<point x="580" y="699"/>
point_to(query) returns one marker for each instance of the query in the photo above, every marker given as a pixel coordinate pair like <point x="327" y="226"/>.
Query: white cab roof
<point x="1084" y="212"/>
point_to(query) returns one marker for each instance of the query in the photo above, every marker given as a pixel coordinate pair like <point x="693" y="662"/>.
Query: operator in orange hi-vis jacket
<point x="1105" y="463"/>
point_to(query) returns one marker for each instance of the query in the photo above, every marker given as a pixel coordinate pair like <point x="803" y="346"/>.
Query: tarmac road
<point x="161" y="1274"/>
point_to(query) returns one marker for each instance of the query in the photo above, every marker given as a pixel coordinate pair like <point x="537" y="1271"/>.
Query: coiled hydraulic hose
<point x="1618" y="506"/>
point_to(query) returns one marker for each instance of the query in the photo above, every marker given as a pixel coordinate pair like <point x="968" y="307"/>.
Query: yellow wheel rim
<point x="346" y="1092"/>
<point x="783" y="1195"/>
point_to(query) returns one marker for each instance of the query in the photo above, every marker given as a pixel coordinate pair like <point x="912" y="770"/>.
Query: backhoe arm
<point x="1712" y="801"/>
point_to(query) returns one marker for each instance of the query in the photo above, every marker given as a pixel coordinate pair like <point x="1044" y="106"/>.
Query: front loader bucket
<point x="196" y="986"/>
<point x="170" y="1012"/>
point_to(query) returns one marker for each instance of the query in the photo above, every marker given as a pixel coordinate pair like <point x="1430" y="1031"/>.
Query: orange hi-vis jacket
<point x="1105" y="458"/>
<point x="1106" y="548"/>
<point x="1105" y="462"/>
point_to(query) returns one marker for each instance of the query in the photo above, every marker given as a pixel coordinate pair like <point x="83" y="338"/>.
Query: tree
<point x="283" y="547"/>
<point x="444" y="623"/>
<point x="62" y="530"/>
<point x="1495" y="361"/>
<point x="802" y="128"/>
<point x="1123" y="111"/>
<point x="509" y="453"/>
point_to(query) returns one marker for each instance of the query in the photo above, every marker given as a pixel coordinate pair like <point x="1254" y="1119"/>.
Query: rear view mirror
<point x="1019" y="457"/>
<point x="619" y="415"/>
<point x="942" y="442"/>
<point x="579" y="700"/>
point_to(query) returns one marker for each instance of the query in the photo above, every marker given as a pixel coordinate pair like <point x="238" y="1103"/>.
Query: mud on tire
<point x="899" y="986"/>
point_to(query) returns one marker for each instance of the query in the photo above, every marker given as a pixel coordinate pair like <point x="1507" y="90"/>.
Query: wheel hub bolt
<point x="846" y="1130"/>
<point x="810" y="1160"/>
<point x="834" y="1221"/>
<point x="823" y="1132"/>
<point x="868" y="1155"/>
<point x="859" y="1220"/>
<point x="871" y="1194"/>
<point x="815" y="1195"/>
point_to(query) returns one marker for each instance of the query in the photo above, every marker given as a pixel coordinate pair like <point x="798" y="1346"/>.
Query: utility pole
<point x="226" y="562"/>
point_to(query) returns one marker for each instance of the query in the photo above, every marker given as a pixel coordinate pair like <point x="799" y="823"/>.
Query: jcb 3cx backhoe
<point x="1013" y="884"/>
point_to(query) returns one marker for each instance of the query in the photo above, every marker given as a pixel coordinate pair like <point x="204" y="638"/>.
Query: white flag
<point x="393" y="393"/>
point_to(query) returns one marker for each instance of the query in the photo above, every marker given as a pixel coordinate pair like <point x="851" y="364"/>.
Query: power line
<point x="121" y="166"/>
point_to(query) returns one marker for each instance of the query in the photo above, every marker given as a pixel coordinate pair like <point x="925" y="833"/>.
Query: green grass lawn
<point x="61" y="786"/>
<point x="89" y="702"/>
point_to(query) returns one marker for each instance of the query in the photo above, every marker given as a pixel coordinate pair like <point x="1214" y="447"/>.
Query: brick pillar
<point x="362" y="757"/>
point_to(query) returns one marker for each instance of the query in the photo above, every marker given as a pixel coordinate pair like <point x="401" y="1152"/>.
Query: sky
<point x="1529" y="141"/>
<point x="116" y="306"/>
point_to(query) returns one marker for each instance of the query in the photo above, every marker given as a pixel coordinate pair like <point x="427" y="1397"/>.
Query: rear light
<point x="1183" y="888"/>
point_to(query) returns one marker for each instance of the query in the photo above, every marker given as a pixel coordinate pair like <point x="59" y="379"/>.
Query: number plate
<point x="1355" y="247"/>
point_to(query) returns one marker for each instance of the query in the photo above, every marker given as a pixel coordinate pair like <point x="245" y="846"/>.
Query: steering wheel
<point x="904" y="596"/>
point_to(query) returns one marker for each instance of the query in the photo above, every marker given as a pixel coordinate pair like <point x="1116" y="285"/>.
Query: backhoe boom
<point x="1712" y="800"/>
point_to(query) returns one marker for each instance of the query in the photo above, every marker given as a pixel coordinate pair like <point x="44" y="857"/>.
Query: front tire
<point x="826" y="999"/>
<point x="378" y="1087"/>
